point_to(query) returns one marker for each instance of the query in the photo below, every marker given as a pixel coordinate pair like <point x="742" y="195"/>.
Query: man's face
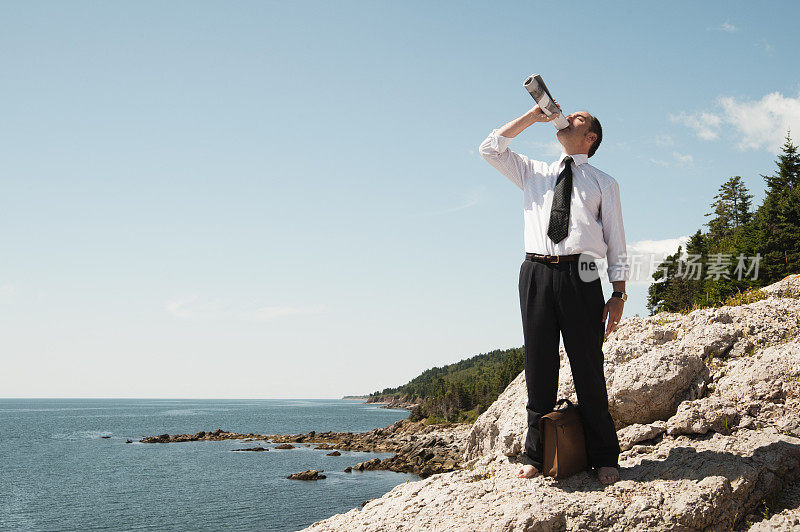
<point x="578" y="127"/>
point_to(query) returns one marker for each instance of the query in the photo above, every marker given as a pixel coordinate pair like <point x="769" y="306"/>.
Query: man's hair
<point x="597" y="129"/>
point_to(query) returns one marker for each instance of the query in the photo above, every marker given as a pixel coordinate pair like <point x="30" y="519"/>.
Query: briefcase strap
<point x="562" y="401"/>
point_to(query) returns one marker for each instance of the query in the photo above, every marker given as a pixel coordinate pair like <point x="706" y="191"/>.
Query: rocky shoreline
<point x="418" y="448"/>
<point x="707" y="406"/>
<point x="404" y="402"/>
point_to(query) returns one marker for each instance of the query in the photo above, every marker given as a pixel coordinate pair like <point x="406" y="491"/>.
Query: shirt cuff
<point x="618" y="273"/>
<point x="498" y="142"/>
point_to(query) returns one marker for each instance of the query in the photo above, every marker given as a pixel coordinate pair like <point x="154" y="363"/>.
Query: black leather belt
<point x="536" y="257"/>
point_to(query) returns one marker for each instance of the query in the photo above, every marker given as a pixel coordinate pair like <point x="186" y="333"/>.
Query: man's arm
<point x="495" y="148"/>
<point x="518" y="125"/>
<point x="614" y="233"/>
<point x="614" y="236"/>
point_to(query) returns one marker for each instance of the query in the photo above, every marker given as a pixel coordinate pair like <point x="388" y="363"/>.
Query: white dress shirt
<point x="595" y="213"/>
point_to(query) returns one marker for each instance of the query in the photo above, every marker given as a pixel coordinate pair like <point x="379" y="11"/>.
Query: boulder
<point x="368" y="465"/>
<point x="636" y="433"/>
<point x="701" y="416"/>
<point x="652" y="386"/>
<point x="784" y="521"/>
<point x="309" y="474"/>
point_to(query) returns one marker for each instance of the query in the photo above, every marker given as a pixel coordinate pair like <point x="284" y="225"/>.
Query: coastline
<point x="394" y="403"/>
<point x="418" y="448"/>
<point x="399" y="404"/>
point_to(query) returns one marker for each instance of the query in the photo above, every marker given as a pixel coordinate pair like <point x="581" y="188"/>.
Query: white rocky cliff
<point x="707" y="407"/>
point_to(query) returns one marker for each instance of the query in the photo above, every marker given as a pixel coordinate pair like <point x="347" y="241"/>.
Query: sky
<point x="286" y="199"/>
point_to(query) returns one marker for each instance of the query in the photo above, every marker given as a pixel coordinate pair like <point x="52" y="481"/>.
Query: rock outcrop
<point x="309" y="474"/>
<point x="707" y="407"/>
<point x="404" y="401"/>
<point x="418" y="448"/>
<point x="785" y="521"/>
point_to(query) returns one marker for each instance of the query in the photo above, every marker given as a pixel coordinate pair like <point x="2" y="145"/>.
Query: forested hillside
<point x="458" y="392"/>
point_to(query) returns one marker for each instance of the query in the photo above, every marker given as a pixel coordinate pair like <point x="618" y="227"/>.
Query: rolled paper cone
<point x="538" y="91"/>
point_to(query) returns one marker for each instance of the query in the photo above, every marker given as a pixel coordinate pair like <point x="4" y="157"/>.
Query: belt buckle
<point x="554" y="261"/>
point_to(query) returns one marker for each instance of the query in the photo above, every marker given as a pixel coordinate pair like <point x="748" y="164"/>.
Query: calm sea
<point x="58" y="473"/>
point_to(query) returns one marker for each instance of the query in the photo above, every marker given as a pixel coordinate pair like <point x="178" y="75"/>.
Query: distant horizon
<point x="185" y="398"/>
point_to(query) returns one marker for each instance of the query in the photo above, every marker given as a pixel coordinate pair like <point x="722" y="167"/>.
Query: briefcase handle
<point x="562" y="401"/>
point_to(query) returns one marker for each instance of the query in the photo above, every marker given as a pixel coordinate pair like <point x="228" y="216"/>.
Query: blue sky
<point x="258" y="199"/>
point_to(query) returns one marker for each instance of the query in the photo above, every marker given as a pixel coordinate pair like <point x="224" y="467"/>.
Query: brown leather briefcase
<point x="564" y="443"/>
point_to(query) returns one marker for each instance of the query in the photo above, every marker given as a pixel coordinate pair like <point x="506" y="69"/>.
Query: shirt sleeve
<point x="512" y="165"/>
<point x="614" y="233"/>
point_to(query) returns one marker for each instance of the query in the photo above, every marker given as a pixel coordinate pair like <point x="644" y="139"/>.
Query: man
<point x="570" y="208"/>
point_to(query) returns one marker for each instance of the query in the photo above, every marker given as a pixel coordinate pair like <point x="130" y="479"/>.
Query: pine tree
<point x="731" y="211"/>
<point x="777" y="221"/>
<point x="692" y="287"/>
<point x="729" y="236"/>
<point x="697" y="245"/>
<point x="659" y="292"/>
<point x="788" y="174"/>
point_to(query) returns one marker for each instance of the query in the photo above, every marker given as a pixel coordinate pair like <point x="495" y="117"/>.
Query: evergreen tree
<point x="697" y="245"/>
<point x="659" y="292"/>
<point x="777" y="221"/>
<point x="731" y="211"/>
<point x="691" y="288"/>
<point x="788" y="174"/>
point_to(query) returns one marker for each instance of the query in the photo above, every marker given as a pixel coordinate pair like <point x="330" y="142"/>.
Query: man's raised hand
<point x="540" y="116"/>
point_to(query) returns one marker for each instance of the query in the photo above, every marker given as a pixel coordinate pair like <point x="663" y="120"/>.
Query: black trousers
<point x="554" y="299"/>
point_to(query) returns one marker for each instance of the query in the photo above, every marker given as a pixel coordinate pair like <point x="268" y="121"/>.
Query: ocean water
<point x="58" y="473"/>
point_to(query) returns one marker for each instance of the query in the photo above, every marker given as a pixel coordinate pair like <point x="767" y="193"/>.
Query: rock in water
<point x="310" y="474"/>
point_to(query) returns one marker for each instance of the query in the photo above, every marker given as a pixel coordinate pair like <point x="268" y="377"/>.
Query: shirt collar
<point x="577" y="158"/>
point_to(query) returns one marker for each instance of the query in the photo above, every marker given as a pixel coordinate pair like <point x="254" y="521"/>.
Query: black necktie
<point x="559" y="214"/>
